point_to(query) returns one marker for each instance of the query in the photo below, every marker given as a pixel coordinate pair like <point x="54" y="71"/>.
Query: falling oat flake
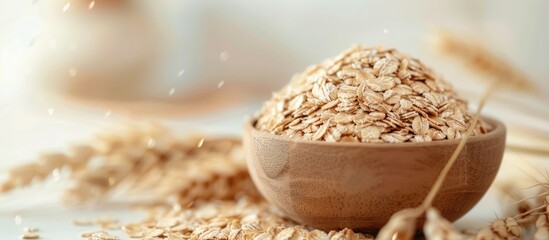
<point x="55" y="175"/>
<point x="172" y="91"/>
<point x="18" y="219"/>
<point x="151" y="143"/>
<point x="66" y="7"/>
<point x="50" y="111"/>
<point x="108" y="113"/>
<point x="92" y="4"/>
<point x="224" y="56"/>
<point x="220" y="84"/>
<point x="176" y="207"/>
<point x="181" y="73"/>
<point x="385" y="31"/>
<point x="201" y="142"/>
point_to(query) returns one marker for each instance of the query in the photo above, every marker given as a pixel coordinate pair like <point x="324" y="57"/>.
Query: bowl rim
<point x="497" y="131"/>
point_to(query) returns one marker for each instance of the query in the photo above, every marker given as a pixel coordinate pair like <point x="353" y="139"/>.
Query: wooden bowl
<point x="360" y="185"/>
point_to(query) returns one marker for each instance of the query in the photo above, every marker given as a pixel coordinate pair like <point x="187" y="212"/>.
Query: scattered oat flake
<point x="108" y="113"/>
<point x="172" y="91"/>
<point x="82" y="222"/>
<point x="168" y="222"/>
<point x="101" y="235"/>
<point x="92" y="4"/>
<point x="201" y="142"/>
<point x="104" y="220"/>
<point x="30" y="236"/>
<point x="88" y="234"/>
<point x="220" y="84"/>
<point x="180" y="72"/>
<point x="50" y="111"/>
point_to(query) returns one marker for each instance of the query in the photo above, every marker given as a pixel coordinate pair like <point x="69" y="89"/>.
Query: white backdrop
<point x="269" y="41"/>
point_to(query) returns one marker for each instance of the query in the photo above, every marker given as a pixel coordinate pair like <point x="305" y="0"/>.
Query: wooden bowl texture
<point x="360" y="185"/>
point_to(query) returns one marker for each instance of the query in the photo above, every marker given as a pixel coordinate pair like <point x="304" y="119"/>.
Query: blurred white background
<point x="263" y="41"/>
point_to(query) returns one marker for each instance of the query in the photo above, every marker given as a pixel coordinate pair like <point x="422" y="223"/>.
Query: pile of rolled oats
<point x="241" y="219"/>
<point x="367" y="95"/>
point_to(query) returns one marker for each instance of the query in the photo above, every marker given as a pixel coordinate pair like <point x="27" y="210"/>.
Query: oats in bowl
<point x="367" y="94"/>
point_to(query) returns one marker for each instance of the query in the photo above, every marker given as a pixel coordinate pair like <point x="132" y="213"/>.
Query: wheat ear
<point x="428" y="201"/>
<point x="399" y="225"/>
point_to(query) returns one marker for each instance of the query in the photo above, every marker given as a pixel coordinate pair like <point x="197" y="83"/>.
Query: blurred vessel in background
<point x="94" y="49"/>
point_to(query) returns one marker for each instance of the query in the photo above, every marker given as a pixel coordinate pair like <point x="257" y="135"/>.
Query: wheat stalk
<point x="436" y="227"/>
<point x="402" y="224"/>
<point x="47" y="164"/>
<point x="478" y="58"/>
<point x="145" y="160"/>
<point x="428" y="201"/>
